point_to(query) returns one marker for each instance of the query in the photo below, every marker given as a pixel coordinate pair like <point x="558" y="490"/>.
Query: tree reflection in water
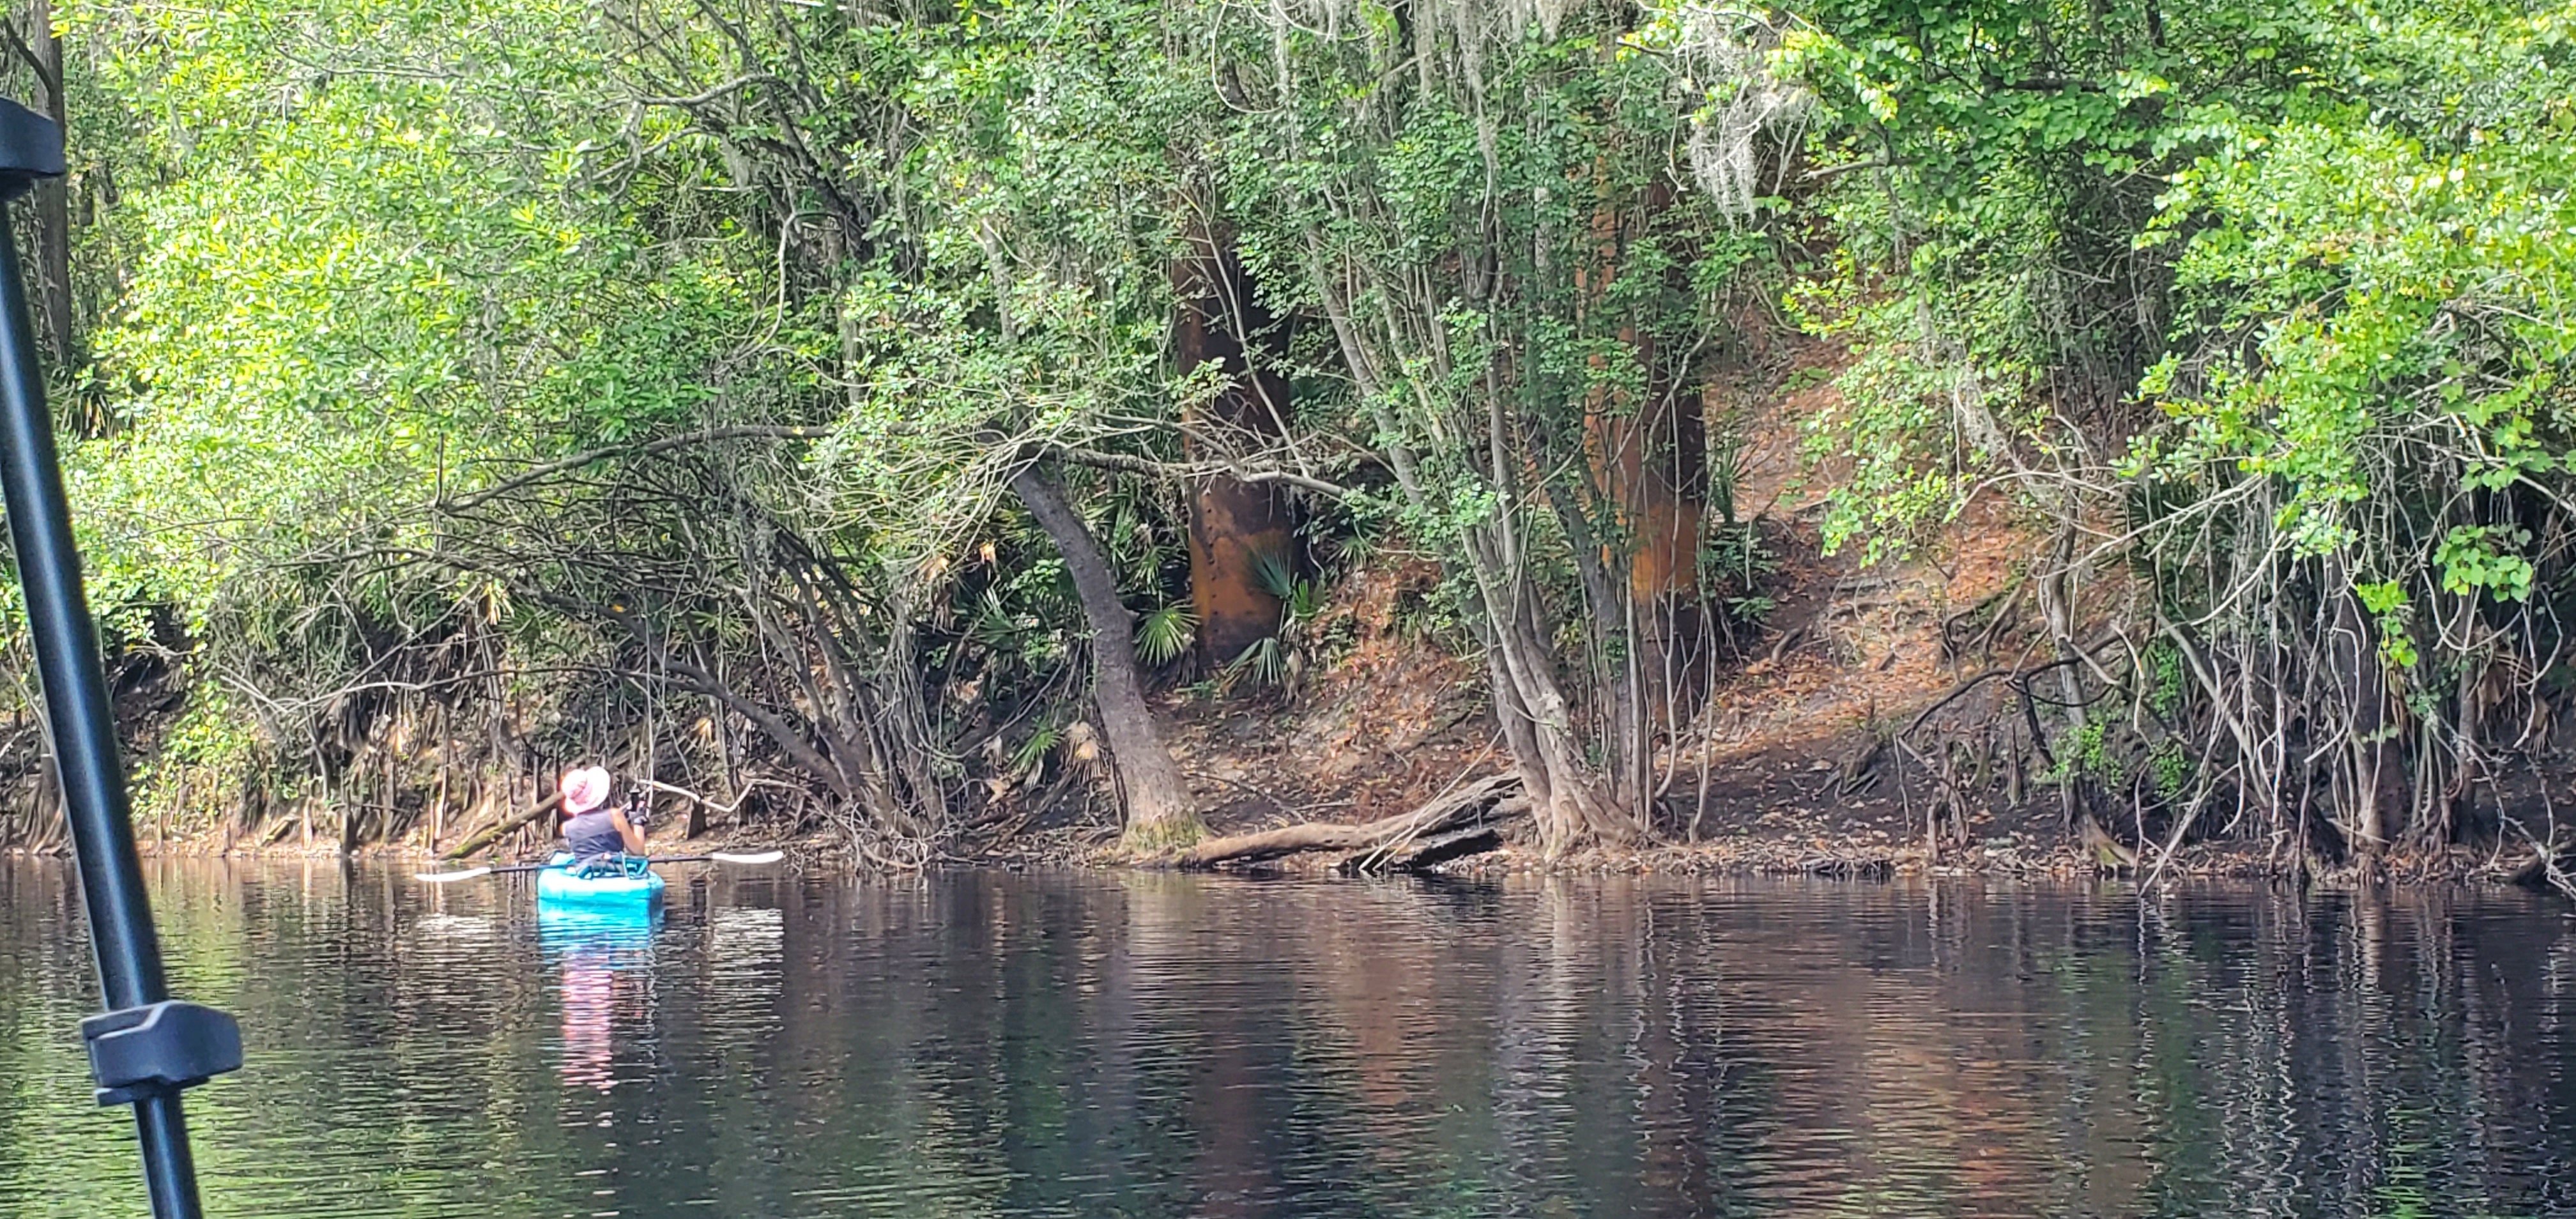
<point x="1076" y="1044"/>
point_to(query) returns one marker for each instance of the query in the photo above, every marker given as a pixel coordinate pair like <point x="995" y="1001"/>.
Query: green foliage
<point x="2090" y="752"/>
<point x="2164" y="676"/>
<point x="1033" y="752"/>
<point x="2283" y="287"/>
<point x="375" y="271"/>
<point x="2489" y="557"/>
<point x="2414" y="305"/>
<point x="1735" y="565"/>
<point x="1891" y="421"/>
<point x="2375" y="334"/>
<point x="1275" y="573"/>
<point x="2170" y="769"/>
<point x="1264" y="662"/>
<point x="1165" y="635"/>
<point x="2280" y="287"/>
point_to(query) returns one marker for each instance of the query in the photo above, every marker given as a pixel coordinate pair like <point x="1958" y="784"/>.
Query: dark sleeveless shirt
<point x="593" y="834"/>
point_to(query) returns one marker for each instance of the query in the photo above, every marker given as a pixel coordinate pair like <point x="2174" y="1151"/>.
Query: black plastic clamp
<point x="160" y="1047"/>
<point x="31" y="147"/>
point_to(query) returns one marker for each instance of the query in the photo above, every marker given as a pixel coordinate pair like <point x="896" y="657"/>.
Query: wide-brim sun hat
<point x="584" y="789"/>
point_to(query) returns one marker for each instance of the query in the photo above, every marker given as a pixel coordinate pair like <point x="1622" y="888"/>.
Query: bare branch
<point x="540" y="473"/>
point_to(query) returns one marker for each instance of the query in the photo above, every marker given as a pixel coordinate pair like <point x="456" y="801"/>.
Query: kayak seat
<point x="603" y="867"/>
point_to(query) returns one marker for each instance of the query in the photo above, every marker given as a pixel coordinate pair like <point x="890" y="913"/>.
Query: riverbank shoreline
<point x="2201" y="862"/>
<point x="1859" y="857"/>
<point x="1779" y="843"/>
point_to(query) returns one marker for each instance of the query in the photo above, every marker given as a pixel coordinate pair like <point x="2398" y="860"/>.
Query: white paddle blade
<point x="440" y="878"/>
<point x="755" y="857"/>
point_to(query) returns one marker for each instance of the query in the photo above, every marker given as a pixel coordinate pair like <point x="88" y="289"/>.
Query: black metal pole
<point x="156" y="1057"/>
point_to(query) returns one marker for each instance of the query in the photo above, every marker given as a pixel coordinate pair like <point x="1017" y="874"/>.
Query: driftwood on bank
<point x="1455" y="824"/>
<point x="1433" y="849"/>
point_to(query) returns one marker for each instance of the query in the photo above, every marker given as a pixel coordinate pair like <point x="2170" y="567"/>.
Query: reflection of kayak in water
<point x="589" y="1016"/>
<point x="638" y="888"/>
<point x="604" y="961"/>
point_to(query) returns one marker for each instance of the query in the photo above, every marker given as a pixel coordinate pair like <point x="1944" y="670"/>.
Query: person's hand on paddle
<point x="639" y="806"/>
<point x="630" y="831"/>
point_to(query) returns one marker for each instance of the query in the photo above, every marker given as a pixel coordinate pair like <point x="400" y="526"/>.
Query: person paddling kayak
<point x="592" y="831"/>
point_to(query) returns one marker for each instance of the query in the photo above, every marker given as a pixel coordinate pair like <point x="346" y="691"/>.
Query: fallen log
<point x="2543" y="872"/>
<point x="1423" y="854"/>
<point x="1478" y="803"/>
<point x="493" y="833"/>
<point x="1844" y="868"/>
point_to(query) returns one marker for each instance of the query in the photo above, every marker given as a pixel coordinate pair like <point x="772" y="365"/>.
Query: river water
<point x="1111" y="1044"/>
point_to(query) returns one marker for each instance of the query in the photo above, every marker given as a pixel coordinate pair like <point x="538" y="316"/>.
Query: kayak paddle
<point x="757" y="857"/>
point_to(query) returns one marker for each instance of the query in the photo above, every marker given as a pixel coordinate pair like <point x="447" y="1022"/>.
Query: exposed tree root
<point x="1460" y="823"/>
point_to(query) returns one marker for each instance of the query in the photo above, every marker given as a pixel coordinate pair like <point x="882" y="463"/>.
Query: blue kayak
<point x="620" y="935"/>
<point x="640" y="888"/>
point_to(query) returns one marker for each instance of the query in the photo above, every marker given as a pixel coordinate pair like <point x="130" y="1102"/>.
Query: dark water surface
<point x="1153" y="1045"/>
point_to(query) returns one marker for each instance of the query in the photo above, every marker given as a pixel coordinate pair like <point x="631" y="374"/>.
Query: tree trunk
<point x="1571" y="803"/>
<point x="1613" y="654"/>
<point x="2373" y="783"/>
<point x="1649" y="464"/>
<point x="1160" y="811"/>
<point x="52" y="198"/>
<point x="1236" y="528"/>
<point x="1654" y="465"/>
